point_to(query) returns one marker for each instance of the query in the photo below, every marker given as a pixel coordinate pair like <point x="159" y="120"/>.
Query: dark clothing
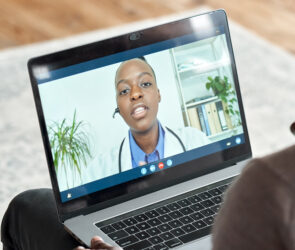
<point x="259" y="211"/>
<point x="31" y="222"/>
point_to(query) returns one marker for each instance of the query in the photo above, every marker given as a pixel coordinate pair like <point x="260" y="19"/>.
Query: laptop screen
<point x="132" y="114"/>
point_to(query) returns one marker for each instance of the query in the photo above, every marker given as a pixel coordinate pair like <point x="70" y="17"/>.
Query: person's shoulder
<point x="264" y="176"/>
<point x="280" y="163"/>
<point x="190" y="131"/>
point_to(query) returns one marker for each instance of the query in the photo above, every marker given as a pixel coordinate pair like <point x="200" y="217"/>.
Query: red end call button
<point x="161" y="165"/>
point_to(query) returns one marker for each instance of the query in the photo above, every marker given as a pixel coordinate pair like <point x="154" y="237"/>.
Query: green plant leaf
<point x="70" y="146"/>
<point x="208" y="85"/>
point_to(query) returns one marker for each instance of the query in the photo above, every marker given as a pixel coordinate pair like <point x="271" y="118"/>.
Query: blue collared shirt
<point x="138" y="155"/>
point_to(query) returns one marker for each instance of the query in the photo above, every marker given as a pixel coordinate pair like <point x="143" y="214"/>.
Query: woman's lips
<point x="139" y="112"/>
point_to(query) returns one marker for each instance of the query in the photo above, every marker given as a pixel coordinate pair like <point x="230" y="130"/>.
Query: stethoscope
<point x="122" y="143"/>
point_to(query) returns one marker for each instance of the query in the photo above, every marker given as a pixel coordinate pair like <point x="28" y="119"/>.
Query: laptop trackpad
<point x="201" y="244"/>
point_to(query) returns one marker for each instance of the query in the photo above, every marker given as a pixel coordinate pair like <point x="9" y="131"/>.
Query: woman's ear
<point x="117" y="110"/>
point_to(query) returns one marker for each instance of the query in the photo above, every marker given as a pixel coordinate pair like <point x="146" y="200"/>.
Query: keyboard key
<point x="166" y="236"/>
<point x="165" y="218"/>
<point x="152" y="214"/>
<point x="176" y="214"/>
<point x="139" y="245"/>
<point x="177" y="232"/>
<point x="156" y="240"/>
<point x="153" y="231"/>
<point x="188" y="228"/>
<point x="223" y="188"/>
<point x="194" y="199"/>
<point x="205" y="195"/>
<point x="209" y="220"/>
<point x="130" y="221"/>
<point x="197" y="216"/>
<point x="142" y="235"/>
<point x="140" y="218"/>
<point x="119" y="225"/>
<point x="143" y="226"/>
<point x="154" y="222"/>
<point x="173" y="243"/>
<point x="197" y="207"/>
<point x="173" y="206"/>
<point x="160" y="246"/>
<point x="207" y="212"/>
<point x="217" y="199"/>
<point x="162" y="210"/>
<point x="184" y="203"/>
<point x="215" y="208"/>
<point x="186" y="210"/>
<point x="199" y="224"/>
<point x="175" y="223"/>
<point x="215" y="192"/>
<point x="195" y="235"/>
<point x="118" y="235"/>
<point x="132" y="230"/>
<point x="186" y="220"/>
<point x="108" y="229"/>
<point x="164" y="227"/>
<point x="207" y="203"/>
<point x="127" y="241"/>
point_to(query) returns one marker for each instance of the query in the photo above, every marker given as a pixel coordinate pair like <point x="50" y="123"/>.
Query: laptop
<point x="143" y="133"/>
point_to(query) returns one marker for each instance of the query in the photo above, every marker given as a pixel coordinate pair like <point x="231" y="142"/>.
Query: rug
<point x="266" y="79"/>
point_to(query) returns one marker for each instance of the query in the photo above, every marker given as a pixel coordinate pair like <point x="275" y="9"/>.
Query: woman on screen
<point x="147" y="140"/>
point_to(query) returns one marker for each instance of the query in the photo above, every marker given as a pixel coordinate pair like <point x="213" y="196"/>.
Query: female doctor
<point x="147" y="140"/>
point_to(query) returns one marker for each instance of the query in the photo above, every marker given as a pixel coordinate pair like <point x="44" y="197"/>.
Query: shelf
<point x="226" y="134"/>
<point x="195" y="104"/>
<point x="184" y="73"/>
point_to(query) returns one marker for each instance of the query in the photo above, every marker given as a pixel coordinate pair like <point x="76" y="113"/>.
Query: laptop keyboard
<point x="169" y="223"/>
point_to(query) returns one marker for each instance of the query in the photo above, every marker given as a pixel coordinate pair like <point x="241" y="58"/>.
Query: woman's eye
<point x="124" y="92"/>
<point x="145" y="84"/>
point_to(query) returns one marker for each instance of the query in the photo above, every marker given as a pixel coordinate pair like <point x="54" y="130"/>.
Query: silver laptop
<point x="143" y="133"/>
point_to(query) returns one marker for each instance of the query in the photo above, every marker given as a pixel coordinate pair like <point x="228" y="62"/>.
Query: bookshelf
<point x="193" y="64"/>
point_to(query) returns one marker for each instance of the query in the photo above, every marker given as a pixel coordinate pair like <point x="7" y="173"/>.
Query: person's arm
<point x="97" y="243"/>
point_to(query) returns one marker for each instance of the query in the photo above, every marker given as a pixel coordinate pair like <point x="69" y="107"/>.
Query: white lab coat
<point x="107" y="163"/>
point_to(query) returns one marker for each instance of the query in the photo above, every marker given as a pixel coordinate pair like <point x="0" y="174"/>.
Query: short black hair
<point x="143" y="59"/>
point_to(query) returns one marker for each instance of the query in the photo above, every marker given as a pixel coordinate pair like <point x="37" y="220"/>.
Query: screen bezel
<point x="158" y="180"/>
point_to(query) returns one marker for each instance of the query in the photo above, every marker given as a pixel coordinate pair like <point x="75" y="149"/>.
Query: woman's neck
<point x="148" y="140"/>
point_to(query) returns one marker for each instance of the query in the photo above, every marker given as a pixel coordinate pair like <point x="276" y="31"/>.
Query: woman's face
<point x="137" y="95"/>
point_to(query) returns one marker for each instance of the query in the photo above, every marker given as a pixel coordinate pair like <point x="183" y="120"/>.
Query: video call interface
<point x="138" y="112"/>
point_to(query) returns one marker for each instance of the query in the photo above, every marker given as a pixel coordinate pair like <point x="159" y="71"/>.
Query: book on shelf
<point x="227" y="116"/>
<point x="194" y="118"/>
<point x="206" y="121"/>
<point x="210" y="118"/>
<point x="215" y="117"/>
<point x="221" y="115"/>
<point x="202" y="120"/>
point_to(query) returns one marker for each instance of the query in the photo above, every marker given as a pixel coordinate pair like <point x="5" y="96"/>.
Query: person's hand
<point x="97" y="243"/>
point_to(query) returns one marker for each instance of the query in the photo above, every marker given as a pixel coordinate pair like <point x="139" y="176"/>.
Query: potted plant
<point x="225" y="92"/>
<point x="70" y="146"/>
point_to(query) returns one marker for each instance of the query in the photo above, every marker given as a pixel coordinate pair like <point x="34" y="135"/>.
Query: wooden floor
<point x="28" y="21"/>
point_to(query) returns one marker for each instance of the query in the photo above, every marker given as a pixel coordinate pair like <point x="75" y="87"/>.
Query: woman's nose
<point x="136" y="93"/>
